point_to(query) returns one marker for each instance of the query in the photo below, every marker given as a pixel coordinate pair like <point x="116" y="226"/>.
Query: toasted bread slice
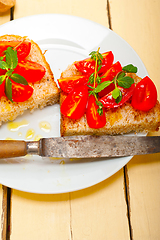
<point x="124" y="119"/>
<point x="45" y="91"/>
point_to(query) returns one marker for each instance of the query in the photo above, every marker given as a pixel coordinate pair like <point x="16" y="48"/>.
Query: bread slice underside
<point x="45" y="91"/>
<point x="124" y="119"/>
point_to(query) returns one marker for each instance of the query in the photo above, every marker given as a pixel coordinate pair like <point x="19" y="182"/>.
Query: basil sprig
<point x="95" y="78"/>
<point x="121" y="80"/>
<point x="130" y="68"/>
<point x="100" y="87"/>
<point x="9" y="64"/>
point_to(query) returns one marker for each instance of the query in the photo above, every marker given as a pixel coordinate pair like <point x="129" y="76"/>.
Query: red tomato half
<point x="69" y="83"/>
<point x="112" y="72"/>
<point x="2" y="89"/>
<point x="109" y="102"/>
<point x="94" y="120"/>
<point x="87" y="66"/>
<point x="74" y="105"/>
<point x="31" y="71"/>
<point x="108" y="76"/>
<point x="23" y="48"/>
<point x="21" y="93"/>
<point x="2" y="72"/>
<point x="145" y="95"/>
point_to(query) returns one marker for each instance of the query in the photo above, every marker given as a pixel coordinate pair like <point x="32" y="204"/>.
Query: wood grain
<point x="93" y="213"/>
<point x="92" y="10"/>
<point x="36" y="216"/>
<point x="138" y="23"/>
<point x="4" y="17"/>
<point x="100" y="212"/>
<point x="144" y="189"/>
<point x="1" y="211"/>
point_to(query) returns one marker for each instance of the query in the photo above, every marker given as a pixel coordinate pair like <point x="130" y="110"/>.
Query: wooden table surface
<point x="125" y="206"/>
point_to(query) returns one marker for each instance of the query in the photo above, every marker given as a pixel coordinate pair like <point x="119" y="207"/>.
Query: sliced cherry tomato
<point x="2" y="89"/>
<point x="21" y="93"/>
<point x="74" y="105"/>
<point x="31" y="71"/>
<point x="145" y="95"/>
<point x="109" y="102"/>
<point x="68" y="84"/>
<point x="2" y="72"/>
<point x="94" y="120"/>
<point x="87" y="66"/>
<point x="108" y="76"/>
<point x="23" y="48"/>
<point x="107" y="90"/>
<point x="112" y="71"/>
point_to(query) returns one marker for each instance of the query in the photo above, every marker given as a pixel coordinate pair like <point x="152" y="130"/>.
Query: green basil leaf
<point x="9" y="73"/>
<point x="2" y="78"/>
<point x="119" y="98"/>
<point x="102" y="86"/>
<point x="4" y="65"/>
<point x="11" y="58"/>
<point x="125" y="82"/>
<point x="116" y="93"/>
<point x="1" y="58"/>
<point x="18" y="79"/>
<point x="8" y="89"/>
<point x="121" y="75"/>
<point x="130" y="68"/>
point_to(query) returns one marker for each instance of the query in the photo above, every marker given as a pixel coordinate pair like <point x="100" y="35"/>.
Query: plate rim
<point x="106" y="29"/>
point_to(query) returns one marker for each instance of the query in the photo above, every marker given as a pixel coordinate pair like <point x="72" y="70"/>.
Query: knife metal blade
<point x="82" y="146"/>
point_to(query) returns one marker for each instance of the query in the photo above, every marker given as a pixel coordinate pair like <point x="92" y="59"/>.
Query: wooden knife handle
<point x="12" y="148"/>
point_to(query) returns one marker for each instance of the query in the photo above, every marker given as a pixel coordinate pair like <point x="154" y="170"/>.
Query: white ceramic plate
<point x="66" y="39"/>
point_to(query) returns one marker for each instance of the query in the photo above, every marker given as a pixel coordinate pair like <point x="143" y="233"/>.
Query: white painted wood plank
<point x="1" y="211"/>
<point x="100" y="212"/>
<point x="88" y="214"/>
<point x="89" y="9"/>
<point x="40" y="217"/>
<point x="138" y="23"/>
<point x="144" y="178"/>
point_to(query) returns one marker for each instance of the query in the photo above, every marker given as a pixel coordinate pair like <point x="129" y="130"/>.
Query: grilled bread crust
<point x="124" y="119"/>
<point x="45" y="91"/>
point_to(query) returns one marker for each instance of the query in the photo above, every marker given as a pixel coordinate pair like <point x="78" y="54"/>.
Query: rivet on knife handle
<point x="33" y="147"/>
<point x="82" y="146"/>
<point x="17" y="148"/>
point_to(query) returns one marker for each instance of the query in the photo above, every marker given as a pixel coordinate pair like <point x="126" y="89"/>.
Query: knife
<point x="82" y="146"/>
